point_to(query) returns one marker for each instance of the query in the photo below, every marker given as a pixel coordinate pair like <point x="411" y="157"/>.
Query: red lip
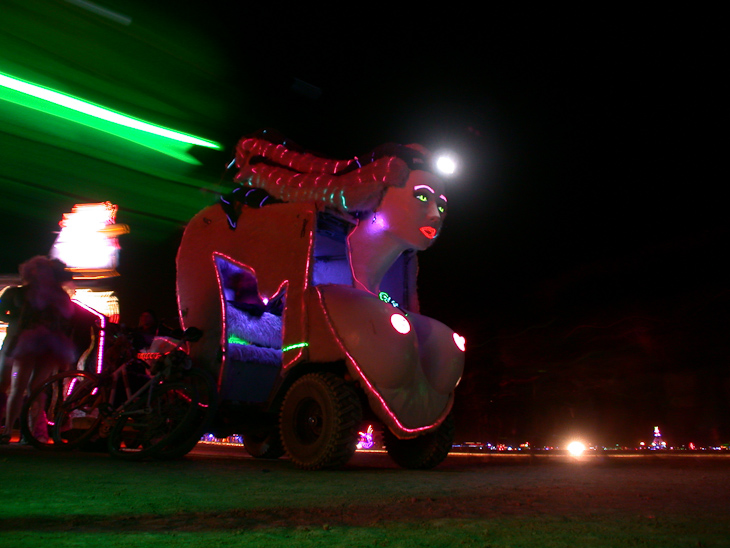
<point x="428" y="231"/>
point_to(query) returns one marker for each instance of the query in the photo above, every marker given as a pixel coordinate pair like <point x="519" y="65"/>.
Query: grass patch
<point x="503" y="533"/>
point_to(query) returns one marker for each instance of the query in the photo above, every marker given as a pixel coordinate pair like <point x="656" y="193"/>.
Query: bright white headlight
<point x="446" y="164"/>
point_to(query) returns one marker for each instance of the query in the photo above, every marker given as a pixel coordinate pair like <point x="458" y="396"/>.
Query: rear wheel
<point x="63" y="413"/>
<point x="319" y="421"/>
<point x="142" y="431"/>
<point x="423" y="452"/>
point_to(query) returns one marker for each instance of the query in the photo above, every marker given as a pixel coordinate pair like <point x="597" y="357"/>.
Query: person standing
<point x="37" y="343"/>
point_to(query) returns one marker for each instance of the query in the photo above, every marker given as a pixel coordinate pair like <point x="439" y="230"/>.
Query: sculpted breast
<point x="364" y="325"/>
<point x="405" y="357"/>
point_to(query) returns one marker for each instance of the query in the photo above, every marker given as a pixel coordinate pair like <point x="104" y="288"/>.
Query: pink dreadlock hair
<point x="290" y="174"/>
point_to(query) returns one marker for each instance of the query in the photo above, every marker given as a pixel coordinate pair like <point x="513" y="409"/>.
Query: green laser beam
<point x="96" y="111"/>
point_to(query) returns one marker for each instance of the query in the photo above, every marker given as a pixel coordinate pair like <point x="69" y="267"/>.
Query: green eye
<point x="442" y="209"/>
<point x="422" y="197"/>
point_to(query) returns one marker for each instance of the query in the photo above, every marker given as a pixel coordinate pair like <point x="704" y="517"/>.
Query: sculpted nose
<point x="433" y="215"/>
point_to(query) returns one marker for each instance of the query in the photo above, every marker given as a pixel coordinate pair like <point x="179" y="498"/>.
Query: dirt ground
<point x="221" y="490"/>
<point x="476" y="486"/>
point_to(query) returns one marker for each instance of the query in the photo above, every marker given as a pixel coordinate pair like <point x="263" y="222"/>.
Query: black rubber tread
<point x="266" y="446"/>
<point x="424" y="452"/>
<point x="330" y="438"/>
<point x="138" y="435"/>
<point x="59" y="405"/>
<point x="206" y="410"/>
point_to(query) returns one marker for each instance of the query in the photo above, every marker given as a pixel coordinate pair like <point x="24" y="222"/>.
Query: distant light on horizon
<point x="576" y="448"/>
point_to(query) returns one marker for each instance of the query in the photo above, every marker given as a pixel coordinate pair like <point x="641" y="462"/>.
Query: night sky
<point x="584" y="251"/>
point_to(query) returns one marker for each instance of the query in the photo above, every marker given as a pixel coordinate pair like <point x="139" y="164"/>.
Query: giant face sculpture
<point x="413" y="214"/>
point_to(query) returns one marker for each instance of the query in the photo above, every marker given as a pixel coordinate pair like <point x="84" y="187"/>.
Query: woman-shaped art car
<point x="303" y="280"/>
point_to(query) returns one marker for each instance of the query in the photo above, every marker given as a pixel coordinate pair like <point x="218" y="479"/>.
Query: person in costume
<point x="37" y="344"/>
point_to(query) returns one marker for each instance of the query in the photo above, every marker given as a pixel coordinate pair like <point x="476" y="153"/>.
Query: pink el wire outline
<point x="102" y="336"/>
<point x="372" y="387"/>
<point x="223" y="307"/>
<point x="432" y="191"/>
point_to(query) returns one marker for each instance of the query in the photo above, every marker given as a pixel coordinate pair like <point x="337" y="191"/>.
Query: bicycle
<point x="164" y="417"/>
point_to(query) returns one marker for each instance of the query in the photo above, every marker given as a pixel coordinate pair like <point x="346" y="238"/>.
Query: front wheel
<point x="423" y="452"/>
<point x="319" y="421"/>
<point x="64" y="412"/>
<point x="143" y="431"/>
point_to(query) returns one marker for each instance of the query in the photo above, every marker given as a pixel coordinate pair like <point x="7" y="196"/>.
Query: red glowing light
<point x="428" y="231"/>
<point x="460" y="342"/>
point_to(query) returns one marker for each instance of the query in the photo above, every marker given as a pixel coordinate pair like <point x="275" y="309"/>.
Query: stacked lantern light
<point x="89" y="246"/>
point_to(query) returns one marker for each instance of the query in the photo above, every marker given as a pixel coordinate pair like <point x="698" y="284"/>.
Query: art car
<point x="303" y="281"/>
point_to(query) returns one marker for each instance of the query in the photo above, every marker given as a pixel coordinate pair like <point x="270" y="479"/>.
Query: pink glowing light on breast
<point x="400" y="323"/>
<point x="460" y="342"/>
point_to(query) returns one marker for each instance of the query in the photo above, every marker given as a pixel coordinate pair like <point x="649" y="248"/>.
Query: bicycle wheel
<point x="63" y="413"/>
<point x="142" y="431"/>
<point x="204" y="413"/>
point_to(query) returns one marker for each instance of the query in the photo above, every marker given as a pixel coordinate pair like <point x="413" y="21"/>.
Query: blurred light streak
<point x="102" y="11"/>
<point x="167" y="141"/>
